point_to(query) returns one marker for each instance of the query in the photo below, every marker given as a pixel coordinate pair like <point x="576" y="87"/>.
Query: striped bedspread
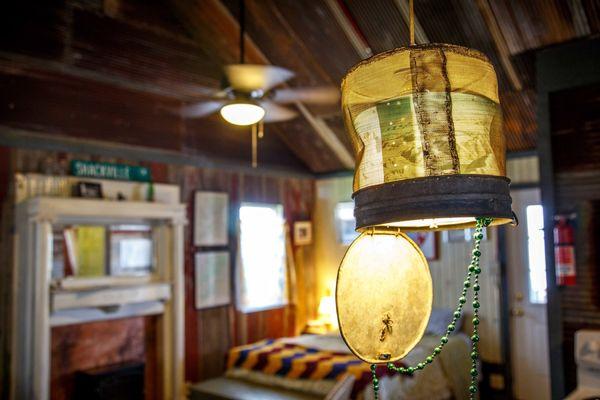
<point x="292" y="361"/>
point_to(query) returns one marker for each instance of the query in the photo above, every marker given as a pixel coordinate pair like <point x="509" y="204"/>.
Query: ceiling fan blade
<point x="202" y="109"/>
<point x="249" y="77"/>
<point x="276" y="113"/>
<point x="203" y="92"/>
<point x="315" y="95"/>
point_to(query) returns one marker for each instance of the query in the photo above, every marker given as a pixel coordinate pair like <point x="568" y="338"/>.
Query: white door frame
<point x="522" y="315"/>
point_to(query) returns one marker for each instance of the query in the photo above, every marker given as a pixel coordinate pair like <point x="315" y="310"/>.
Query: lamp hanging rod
<point x="411" y="21"/>
<point x="242" y="23"/>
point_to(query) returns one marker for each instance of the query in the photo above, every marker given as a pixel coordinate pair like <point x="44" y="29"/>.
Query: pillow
<point x="439" y="320"/>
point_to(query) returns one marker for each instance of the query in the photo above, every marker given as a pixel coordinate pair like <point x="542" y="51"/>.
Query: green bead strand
<point x="473" y="271"/>
<point x="375" y="381"/>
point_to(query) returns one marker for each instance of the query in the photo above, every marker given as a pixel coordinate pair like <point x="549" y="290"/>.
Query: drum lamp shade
<point x="426" y="126"/>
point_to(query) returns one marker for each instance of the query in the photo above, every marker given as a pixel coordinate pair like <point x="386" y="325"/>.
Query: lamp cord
<point x="242" y="23"/>
<point x="473" y="272"/>
<point x="411" y="21"/>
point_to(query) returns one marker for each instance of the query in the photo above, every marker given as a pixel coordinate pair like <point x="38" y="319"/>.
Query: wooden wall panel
<point x="219" y="328"/>
<point x="56" y="104"/>
<point x="523" y="170"/>
<point x="448" y="275"/>
<point x="6" y="249"/>
<point x="575" y="134"/>
<point x="575" y="124"/>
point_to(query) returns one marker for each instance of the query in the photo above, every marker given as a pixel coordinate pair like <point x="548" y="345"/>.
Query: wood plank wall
<point x="575" y="130"/>
<point x="120" y="73"/>
<point x="448" y="274"/>
<point x="209" y="333"/>
<point x="6" y="249"/>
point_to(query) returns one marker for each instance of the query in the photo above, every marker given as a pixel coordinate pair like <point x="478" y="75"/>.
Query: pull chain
<point x="473" y="272"/>
<point x="255" y="145"/>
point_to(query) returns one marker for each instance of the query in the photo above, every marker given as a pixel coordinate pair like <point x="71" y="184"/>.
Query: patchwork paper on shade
<point x="427" y="110"/>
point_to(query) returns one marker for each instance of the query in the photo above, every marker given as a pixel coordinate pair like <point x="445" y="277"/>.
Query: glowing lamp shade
<point x="242" y="113"/>
<point x="383" y="295"/>
<point x="426" y="127"/>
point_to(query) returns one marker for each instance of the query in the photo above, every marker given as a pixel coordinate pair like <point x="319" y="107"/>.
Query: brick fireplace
<point x="84" y="347"/>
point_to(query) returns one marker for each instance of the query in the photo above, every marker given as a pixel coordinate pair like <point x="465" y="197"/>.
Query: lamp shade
<point x="426" y="127"/>
<point x="242" y="113"/>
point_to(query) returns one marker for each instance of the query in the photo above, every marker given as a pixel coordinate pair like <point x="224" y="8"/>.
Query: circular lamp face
<point x="383" y="296"/>
<point x="242" y="113"/>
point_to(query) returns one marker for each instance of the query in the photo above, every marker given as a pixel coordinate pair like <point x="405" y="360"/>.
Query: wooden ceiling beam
<point x="580" y="20"/>
<point x="328" y="136"/>
<point x="500" y="43"/>
<point x="358" y="41"/>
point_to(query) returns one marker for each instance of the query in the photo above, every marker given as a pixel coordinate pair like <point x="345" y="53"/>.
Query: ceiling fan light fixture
<point x="242" y="113"/>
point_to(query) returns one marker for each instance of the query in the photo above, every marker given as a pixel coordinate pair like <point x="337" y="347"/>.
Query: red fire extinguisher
<point x="564" y="251"/>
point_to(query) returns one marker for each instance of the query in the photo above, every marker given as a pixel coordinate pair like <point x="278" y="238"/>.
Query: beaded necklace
<point x="472" y="274"/>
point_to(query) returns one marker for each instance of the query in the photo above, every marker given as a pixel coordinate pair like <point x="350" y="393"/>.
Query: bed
<point x="313" y="364"/>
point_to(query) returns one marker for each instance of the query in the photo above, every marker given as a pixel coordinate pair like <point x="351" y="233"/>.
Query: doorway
<point x="526" y="270"/>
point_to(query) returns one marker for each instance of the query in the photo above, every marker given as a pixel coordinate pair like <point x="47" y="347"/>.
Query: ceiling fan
<point x="251" y="93"/>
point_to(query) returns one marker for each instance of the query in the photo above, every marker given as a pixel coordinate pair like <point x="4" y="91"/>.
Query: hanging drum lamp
<point x="426" y="126"/>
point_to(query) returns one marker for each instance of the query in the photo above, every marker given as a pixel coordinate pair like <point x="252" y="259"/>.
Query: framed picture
<point x="91" y="190"/>
<point x="131" y="250"/>
<point x="302" y="233"/>
<point x="213" y="286"/>
<point x="428" y="242"/>
<point x="211" y="219"/>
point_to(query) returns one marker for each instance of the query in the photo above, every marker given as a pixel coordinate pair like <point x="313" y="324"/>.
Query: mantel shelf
<point x="114" y="296"/>
<point x="94" y="314"/>
<point x="90" y="283"/>
<point x="55" y="208"/>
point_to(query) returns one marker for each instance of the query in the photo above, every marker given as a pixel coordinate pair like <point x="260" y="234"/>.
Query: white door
<point x="527" y="298"/>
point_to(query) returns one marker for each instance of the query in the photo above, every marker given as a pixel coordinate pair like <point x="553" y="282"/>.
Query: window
<point x="536" y="253"/>
<point x="344" y="216"/>
<point x="262" y="262"/>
